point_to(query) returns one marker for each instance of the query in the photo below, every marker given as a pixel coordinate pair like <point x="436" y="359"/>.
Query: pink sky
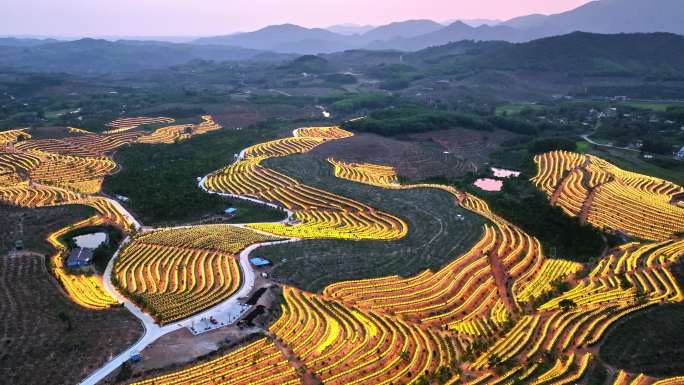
<point x="213" y="17"/>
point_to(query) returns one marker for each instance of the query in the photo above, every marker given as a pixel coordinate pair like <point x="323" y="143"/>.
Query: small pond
<point x="489" y="184"/>
<point x="90" y="241"/>
<point x="503" y="173"/>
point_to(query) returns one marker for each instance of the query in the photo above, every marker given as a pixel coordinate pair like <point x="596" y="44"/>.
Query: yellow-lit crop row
<point x="24" y="195"/>
<point x="86" y="290"/>
<point x="172" y="134"/>
<point x="89" y="145"/>
<point x="367" y="173"/>
<point x="224" y="238"/>
<point x="11" y="136"/>
<point x="64" y="170"/>
<point x="173" y="282"/>
<point x="326" y="133"/>
<point x="319" y="214"/>
<point x="552" y="270"/>
<point x="449" y="295"/>
<point x="609" y="197"/>
<point x="572" y="193"/>
<point x="512" y="344"/>
<point x="258" y="363"/>
<point x="126" y="124"/>
<point x="553" y="166"/>
<point x="350" y="347"/>
<point x="634" y="212"/>
<point x="671" y="381"/>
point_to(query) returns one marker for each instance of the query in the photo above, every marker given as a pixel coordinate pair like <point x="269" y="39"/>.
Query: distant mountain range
<point x="601" y="16"/>
<point x="101" y="56"/>
<point x="283" y="42"/>
<point x="350" y="29"/>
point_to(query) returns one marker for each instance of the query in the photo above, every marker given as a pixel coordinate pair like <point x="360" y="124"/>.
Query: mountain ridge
<point x="600" y="16"/>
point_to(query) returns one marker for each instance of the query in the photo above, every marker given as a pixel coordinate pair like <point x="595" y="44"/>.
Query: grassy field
<point x="435" y="237"/>
<point x="513" y="109"/>
<point x="161" y="180"/>
<point x="32" y="226"/>
<point x="582" y="147"/>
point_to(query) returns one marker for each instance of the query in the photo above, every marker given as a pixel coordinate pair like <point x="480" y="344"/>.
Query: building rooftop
<point x="80" y="257"/>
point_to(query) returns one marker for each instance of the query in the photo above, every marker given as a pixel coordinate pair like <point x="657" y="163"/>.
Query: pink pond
<point x="488" y="184"/>
<point x="503" y="173"/>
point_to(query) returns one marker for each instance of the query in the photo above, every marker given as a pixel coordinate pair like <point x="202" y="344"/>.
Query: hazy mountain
<point x="602" y="16"/>
<point x="475" y="22"/>
<point x="283" y="38"/>
<point x="350" y="29"/>
<point x="608" y="16"/>
<point x="101" y="56"/>
<point x="402" y="29"/>
<point x="24" y="42"/>
<point x="452" y="33"/>
<point x="577" y="53"/>
<point x="526" y="22"/>
<point x="289" y="38"/>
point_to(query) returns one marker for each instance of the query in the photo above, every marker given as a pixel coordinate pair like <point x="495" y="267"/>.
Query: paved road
<point x="586" y="137"/>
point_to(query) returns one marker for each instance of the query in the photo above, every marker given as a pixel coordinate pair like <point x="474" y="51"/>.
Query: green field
<point x="582" y="147"/>
<point x="661" y="107"/>
<point x="514" y="109"/>
<point x="436" y="235"/>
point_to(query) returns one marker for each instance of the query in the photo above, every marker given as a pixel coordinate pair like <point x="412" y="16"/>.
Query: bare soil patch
<point x="450" y="153"/>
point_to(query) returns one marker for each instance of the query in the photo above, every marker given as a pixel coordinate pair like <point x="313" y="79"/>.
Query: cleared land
<point x="450" y="153"/>
<point x="32" y="226"/>
<point x="45" y="336"/>
<point x="435" y="236"/>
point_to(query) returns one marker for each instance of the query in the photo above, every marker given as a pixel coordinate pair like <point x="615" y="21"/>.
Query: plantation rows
<point x="172" y="134"/>
<point x="610" y="198"/>
<point x="343" y="343"/>
<point x="319" y="214"/>
<point x="175" y="273"/>
<point x="70" y="170"/>
<point x="127" y="124"/>
<point x="85" y="290"/>
<point x="499" y="313"/>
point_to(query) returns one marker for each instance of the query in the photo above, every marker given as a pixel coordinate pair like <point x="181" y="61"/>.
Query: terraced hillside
<point x="493" y="315"/>
<point x="37" y="173"/>
<point x="317" y="213"/>
<point x="611" y="198"/>
<point x="387" y="283"/>
<point x="438" y="230"/>
<point x="175" y="273"/>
